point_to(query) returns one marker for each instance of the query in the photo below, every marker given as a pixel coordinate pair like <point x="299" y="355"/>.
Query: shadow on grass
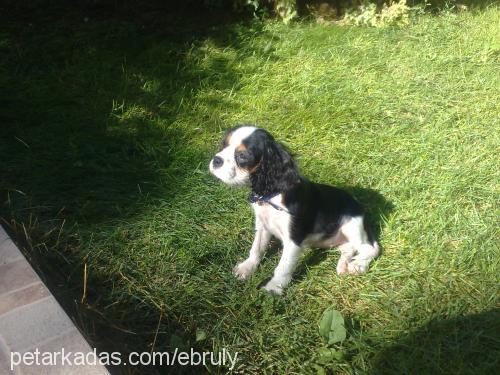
<point x="97" y="121"/>
<point x="462" y="345"/>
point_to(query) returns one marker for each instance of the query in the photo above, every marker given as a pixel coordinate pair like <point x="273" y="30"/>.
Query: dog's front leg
<point x="248" y="266"/>
<point x="284" y="270"/>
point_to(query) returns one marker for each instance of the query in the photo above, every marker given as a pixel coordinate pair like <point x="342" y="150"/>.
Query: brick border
<point x="31" y="318"/>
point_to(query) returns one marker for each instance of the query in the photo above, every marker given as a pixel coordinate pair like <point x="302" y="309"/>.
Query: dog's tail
<point x="376" y="249"/>
<point x="372" y="240"/>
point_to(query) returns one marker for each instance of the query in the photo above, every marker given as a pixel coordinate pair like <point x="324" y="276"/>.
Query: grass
<point x="108" y="124"/>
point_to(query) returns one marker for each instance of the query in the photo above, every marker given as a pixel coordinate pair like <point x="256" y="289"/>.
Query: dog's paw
<point x="358" y="266"/>
<point x="244" y="269"/>
<point x="273" y="287"/>
<point x="342" y="268"/>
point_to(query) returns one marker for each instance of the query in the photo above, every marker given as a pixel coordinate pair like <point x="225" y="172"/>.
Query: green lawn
<point x="107" y="128"/>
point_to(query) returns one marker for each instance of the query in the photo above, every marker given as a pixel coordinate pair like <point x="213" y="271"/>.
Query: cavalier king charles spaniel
<point x="297" y="211"/>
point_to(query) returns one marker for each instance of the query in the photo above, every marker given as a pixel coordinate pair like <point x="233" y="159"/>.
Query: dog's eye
<point x="242" y="158"/>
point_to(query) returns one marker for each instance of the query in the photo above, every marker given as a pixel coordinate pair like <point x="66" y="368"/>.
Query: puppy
<point x="298" y="212"/>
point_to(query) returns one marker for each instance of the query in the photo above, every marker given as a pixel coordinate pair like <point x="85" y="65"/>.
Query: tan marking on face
<point x="254" y="168"/>
<point x="227" y="141"/>
<point x="241" y="148"/>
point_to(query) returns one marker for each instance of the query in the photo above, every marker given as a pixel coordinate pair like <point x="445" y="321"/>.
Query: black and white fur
<point x="288" y="206"/>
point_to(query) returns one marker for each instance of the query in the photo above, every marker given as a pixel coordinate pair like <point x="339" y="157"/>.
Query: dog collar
<point x="261" y="199"/>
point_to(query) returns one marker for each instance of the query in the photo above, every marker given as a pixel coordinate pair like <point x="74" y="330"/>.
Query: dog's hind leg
<point x="347" y="251"/>
<point x="357" y="238"/>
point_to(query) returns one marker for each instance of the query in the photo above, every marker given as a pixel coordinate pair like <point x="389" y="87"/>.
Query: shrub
<point x="395" y="13"/>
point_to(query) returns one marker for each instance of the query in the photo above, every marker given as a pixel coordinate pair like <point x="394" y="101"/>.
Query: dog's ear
<point x="277" y="170"/>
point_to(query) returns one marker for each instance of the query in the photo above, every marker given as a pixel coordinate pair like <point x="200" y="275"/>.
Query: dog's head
<point x="249" y="155"/>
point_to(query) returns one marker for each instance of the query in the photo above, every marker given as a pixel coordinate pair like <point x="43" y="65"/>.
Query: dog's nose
<point x="217" y="162"/>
